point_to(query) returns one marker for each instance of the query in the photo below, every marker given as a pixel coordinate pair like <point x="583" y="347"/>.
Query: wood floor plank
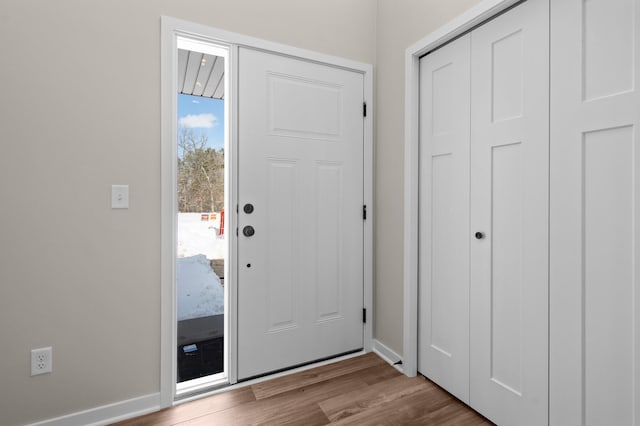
<point x="299" y="403"/>
<point x="315" y="375"/>
<point x="377" y="374"/>
<point x="378" y="395"/>
<point x="455" y="413"/>
<point x="401" y="411"/>
<point x="193" y="409"/>
<point x="409" y="409"/>
<point x="308" y="415"/>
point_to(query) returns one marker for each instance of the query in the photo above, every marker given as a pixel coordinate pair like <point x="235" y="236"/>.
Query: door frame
<point x="171" y="28"/>
<point x="473" y="17"/>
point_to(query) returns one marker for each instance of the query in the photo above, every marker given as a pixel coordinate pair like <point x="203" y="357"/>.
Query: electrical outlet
<point x="41" y="361"/>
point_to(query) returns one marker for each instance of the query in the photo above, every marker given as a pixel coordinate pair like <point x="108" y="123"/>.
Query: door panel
<point x="608" y="43"/>
<point x="507" y="76"/>
<point x="608" y="272"/>
<point x="328" y="229"/>
<point x="595" y="191"/>
<point x="506" y="286"/>
<point x="300" y="278"/>
<point x="509" y="205"/>
<point x="283" y="247"/>
<point x="444" y="217"/>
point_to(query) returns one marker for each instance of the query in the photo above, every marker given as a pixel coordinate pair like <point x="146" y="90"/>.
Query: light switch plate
<point x="119" y="196"/>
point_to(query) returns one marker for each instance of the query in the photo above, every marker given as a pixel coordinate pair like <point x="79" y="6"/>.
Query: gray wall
<point x="401" y="23"/>
<point x="79" y="111"/>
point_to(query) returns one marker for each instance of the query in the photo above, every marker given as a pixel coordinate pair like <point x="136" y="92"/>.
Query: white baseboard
<point x="387" y="354"/>
<point x="108" y="413"/>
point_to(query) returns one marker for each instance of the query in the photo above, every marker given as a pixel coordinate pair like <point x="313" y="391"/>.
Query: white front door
<point x="300" y="216"/>
<point x="509" y="210"/>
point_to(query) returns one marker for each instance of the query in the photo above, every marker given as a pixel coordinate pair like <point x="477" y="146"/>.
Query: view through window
<point x="201" y="237"/>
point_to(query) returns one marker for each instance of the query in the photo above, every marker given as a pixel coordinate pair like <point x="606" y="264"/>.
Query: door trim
<point x="171" y="28"/>
<point x="478" y="14"/>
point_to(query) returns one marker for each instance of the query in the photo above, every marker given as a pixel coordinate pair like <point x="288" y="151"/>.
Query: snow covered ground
<point x="196" y="236"/>
<point x="200" y="292"/>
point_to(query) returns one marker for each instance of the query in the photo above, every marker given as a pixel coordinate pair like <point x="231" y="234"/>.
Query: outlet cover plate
<point x="41" y="361"/>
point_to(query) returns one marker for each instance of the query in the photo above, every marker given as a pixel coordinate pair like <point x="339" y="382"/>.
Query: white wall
<point x="79" y="111"/>
<point x="400" y="23"/>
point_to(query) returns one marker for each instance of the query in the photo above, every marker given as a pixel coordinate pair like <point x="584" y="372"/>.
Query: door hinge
<point x="364" y="212"/>
<point x="364" y="315"/>
<point x="364" y="109"/>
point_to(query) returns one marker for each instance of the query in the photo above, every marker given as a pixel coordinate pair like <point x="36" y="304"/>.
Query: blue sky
<point x="203" y="115"/>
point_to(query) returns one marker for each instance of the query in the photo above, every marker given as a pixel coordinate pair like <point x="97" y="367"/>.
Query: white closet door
<point x="509" y="205"/>
<point x="595" y="216"/>
<point x="444" y="217"/>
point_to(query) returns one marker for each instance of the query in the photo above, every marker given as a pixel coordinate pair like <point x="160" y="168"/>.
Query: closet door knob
<point x="479" y="235"/>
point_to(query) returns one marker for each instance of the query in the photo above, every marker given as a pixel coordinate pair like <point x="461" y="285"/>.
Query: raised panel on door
<point x="300" y="277"/>
<point x="509" y="206"/>
<point x="595" y="191"/>
<point x="283" y="246"/>
<point x="444" y="217"/>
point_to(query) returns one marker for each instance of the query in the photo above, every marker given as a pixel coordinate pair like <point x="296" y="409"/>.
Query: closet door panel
<point x="607" y="276"/>
<point x="506" y="287"/>
<point x="444" y="217"/>
<point x="594" y="213"/>
<point x="509" y="205"/>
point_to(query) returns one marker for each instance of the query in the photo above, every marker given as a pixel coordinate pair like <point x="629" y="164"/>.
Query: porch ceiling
<point x="200" y="74"/>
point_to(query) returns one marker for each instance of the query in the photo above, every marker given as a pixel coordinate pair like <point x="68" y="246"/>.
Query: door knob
<point x="248" y="208"/>
<point x="248" y="231"/>
<point x="479" y="235"/>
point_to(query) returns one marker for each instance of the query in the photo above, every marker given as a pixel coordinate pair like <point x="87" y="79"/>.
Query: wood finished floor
<point x="364" y="390"/>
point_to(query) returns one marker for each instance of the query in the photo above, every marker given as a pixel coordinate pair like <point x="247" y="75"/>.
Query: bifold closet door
<point x="444" y="217"/>
<point x="484" y="179"/>
<point x="509" y="210"/>
<point x="595" y="213"/>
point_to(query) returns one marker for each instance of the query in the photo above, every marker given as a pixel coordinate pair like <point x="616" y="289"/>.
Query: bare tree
<point x="200" y="174"/>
